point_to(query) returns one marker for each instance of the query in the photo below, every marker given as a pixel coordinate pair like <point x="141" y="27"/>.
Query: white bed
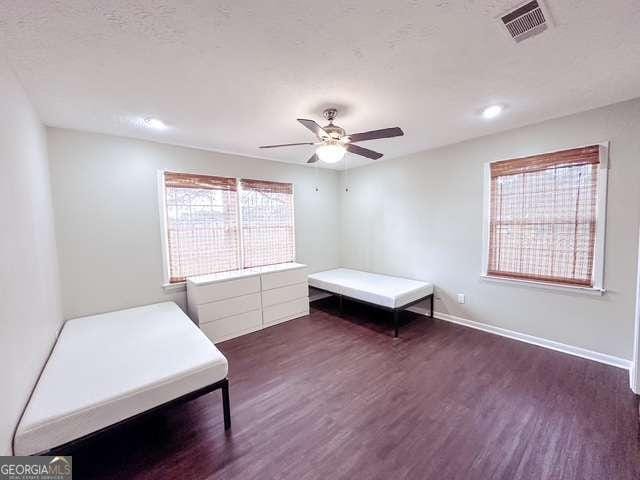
<point x="107" y="368"/>
<point x="392" y="293"/>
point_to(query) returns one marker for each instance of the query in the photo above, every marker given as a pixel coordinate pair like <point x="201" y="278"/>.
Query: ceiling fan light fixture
<point x="334" y="141"/>
<point x="331" y="152"/>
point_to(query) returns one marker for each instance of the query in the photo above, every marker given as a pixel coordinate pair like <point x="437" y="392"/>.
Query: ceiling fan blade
<point x="314" y="127"/>
<point x="365" y="152"/>
<point x="285" y="145"/>
<point x="313" y="159"/>
<point x="374" y="134"/>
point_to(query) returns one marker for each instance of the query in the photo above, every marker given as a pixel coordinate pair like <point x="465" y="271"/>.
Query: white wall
<point x="30" y="313"/>
<point x="107" y="219"/>
<point x="421" y="217"/>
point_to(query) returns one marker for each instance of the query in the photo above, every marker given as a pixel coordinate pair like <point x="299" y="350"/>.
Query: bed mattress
<point x="106" y="368"/>
<point x="383" y="290"/>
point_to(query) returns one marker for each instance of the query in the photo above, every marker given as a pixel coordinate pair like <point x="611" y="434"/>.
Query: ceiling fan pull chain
<point x="346" y="175"/>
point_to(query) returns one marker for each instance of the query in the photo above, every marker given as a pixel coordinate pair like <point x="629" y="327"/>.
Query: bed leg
<point x="396" y="314"/>
<point x="432" y="305"/>
<point x="226" y="409"/>
<point x="340" y="304"/>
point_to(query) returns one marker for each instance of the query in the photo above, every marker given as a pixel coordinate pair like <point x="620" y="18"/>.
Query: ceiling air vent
<point x="526" y="21"/>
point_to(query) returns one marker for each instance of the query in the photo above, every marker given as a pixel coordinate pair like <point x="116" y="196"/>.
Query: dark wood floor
<point x="324" y="397"/>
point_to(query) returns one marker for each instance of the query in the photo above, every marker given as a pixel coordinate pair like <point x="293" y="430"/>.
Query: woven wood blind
<point x="543" y="217"/>
<point x="268" y="233"/>
<point x="187" y="180"/>
<point x="202" y="224"/>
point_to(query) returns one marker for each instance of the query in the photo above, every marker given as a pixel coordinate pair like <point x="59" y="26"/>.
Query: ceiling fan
<point x="334" y="141"/>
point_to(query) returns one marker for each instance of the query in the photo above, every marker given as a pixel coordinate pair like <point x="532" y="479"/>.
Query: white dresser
<point x="229" y="304"/>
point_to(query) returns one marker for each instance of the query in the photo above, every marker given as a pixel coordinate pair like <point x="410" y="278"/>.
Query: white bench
<point x="107" y="369"/>
<point x="384" y="291"/>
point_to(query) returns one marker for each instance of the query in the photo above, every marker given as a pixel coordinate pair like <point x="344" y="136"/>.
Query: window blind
<point x="267" y="217"/>
<point x="202" y="224"/>
<point x="542" y="224"/>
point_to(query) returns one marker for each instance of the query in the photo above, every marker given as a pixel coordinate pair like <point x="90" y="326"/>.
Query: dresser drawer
<point x="234" y="326"/>
<point x="284" y="294"/>
<point x="281" y="279"/>
<point x="208" y="312"/>
<point x="220" y="290"/>
<point x="285" y="311"/>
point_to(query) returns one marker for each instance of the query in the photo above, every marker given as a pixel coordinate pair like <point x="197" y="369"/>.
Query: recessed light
<point x="155" y="123"/>
<point x="492" y="112"/>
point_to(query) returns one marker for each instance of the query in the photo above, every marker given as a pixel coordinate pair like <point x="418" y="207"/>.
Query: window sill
<point x="174" y="287"/>
<point x="545" y="286"/>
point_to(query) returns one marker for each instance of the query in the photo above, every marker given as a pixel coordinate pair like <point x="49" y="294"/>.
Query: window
<point x="216" y="224"/>
<point x="202" y="224"/>
<point x="546" y="217"/>
<point x="267" y="223"/>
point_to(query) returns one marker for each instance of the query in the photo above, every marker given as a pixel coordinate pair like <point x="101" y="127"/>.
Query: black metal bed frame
<point x="226" y="409"/>
<point x="396" y="311"/>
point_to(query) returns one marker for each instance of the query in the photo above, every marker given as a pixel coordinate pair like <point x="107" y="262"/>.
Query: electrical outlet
<point x="461" y="298"/>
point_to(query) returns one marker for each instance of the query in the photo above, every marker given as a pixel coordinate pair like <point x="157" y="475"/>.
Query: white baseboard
<point x="633" y="380"/>
<point x="541" y="342"/>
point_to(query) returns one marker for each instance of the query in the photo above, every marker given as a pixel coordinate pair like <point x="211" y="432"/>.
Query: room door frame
<point x="634" y="372"/>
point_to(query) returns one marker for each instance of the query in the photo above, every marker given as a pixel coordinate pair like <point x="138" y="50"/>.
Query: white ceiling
<point x="232" y="75"/>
